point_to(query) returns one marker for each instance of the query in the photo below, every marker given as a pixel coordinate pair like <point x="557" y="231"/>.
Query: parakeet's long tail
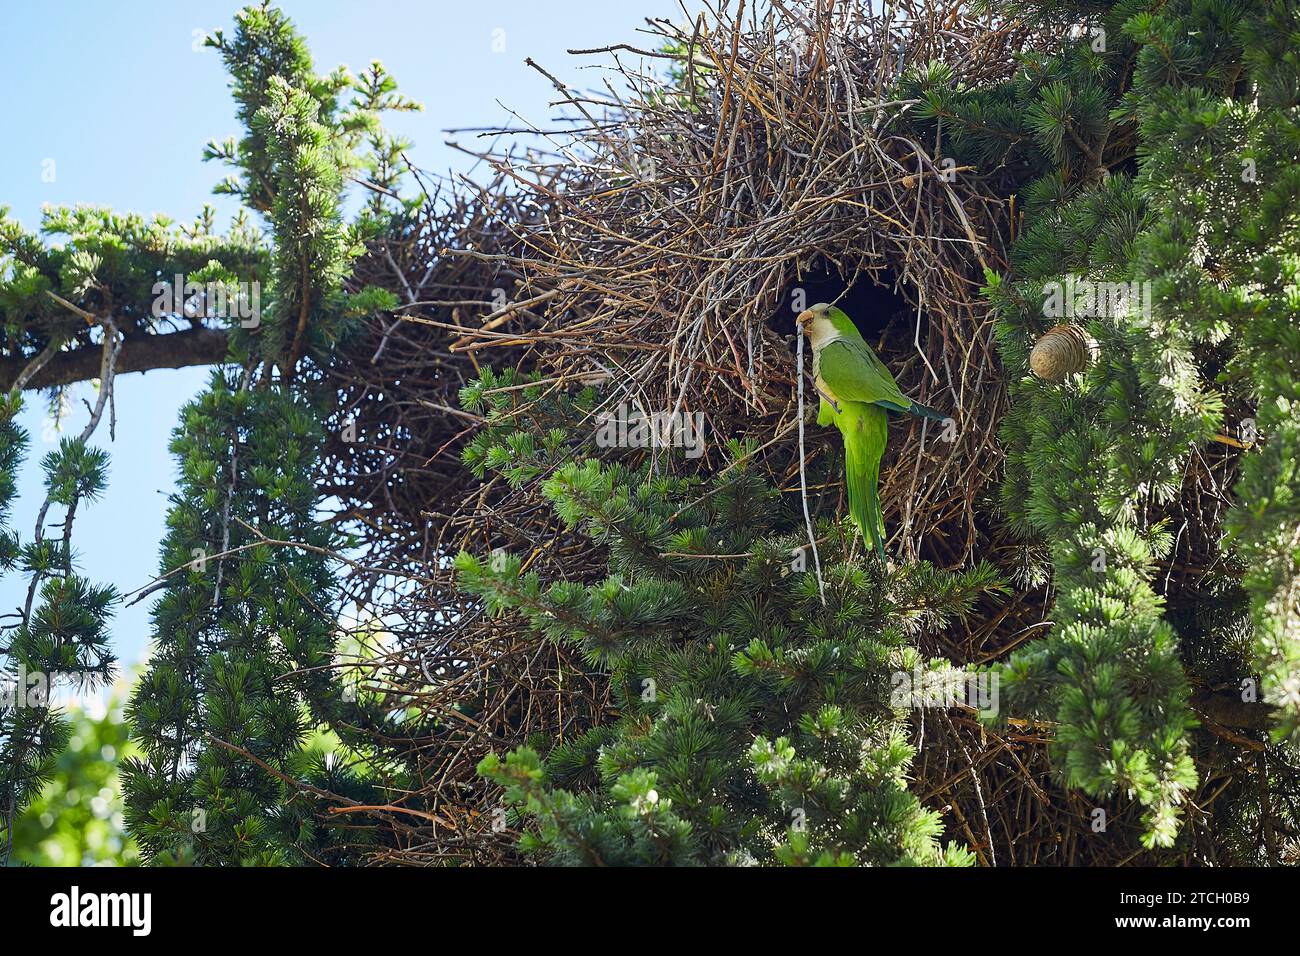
<point x="925" y="411"/>
<point x="915" y="408"/>
<point x="865" y="429"/>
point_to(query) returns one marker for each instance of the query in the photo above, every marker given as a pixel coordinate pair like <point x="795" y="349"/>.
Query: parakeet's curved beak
<point x="806" y="317"/>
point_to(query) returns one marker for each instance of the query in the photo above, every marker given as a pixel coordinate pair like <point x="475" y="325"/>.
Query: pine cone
<point x="1062" y="351"/>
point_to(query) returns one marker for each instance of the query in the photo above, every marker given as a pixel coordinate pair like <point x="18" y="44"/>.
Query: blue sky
<point x="117" y="100"/>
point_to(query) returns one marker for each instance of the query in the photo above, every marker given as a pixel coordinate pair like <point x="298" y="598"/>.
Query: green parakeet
<point x="851" y="376"/>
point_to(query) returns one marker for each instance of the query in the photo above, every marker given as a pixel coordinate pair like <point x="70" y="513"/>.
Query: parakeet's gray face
<point x="817" y="325"/>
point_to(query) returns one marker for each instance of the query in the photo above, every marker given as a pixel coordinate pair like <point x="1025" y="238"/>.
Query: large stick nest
<point x="660" y="242"/>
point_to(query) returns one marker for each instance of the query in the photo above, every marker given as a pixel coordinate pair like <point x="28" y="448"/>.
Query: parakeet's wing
<point x="855" y="373"/>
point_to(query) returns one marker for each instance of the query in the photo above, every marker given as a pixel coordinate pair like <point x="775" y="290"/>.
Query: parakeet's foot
<point x="830" y="400"/>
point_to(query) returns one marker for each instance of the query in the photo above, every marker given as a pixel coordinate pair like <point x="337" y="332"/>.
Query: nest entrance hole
<point x="872" y="301"/>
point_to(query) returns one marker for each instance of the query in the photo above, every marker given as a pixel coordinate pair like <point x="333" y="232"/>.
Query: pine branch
<point x="140" y="353"/>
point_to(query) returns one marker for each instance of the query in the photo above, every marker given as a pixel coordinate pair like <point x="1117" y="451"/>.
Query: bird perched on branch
<point x="857" y="393"/>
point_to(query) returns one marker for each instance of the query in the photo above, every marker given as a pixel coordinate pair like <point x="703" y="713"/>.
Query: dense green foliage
<point x="59" y="642"/>
<point x="1157" y="148"/>
<point x="240" y="675"/>
<point x="240" y="615"/>
<point x="755" y="721"/>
